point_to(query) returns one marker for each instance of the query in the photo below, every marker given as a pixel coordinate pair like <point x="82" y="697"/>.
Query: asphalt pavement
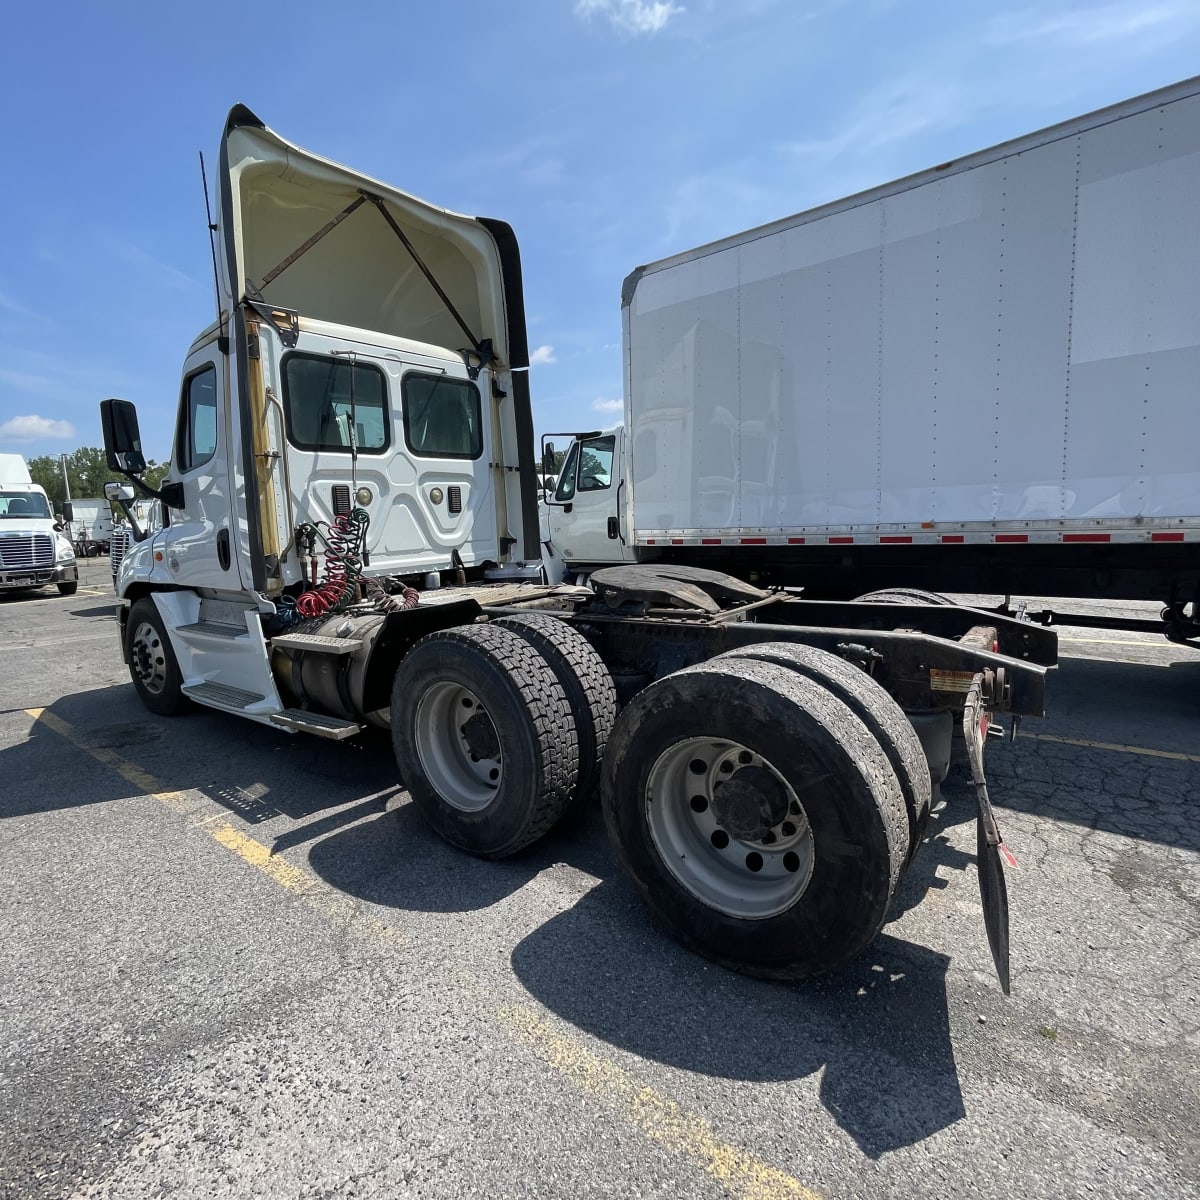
<point x="235" y="962"/>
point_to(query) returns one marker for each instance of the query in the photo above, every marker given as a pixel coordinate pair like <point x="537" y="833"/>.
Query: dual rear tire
<point x="498" y="729"/>
<point x="759" y="817"/>
<point x="764" y="803"/>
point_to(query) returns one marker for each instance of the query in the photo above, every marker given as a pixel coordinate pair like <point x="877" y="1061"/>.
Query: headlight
<point x="63" y="550"/>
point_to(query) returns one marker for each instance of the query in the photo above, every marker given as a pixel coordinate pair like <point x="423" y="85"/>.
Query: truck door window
<point x="566" y="478"/>
<point x="442" y="417"/>
<point x="317" y="404"/>
<point x="595" y="464"/>
<point x="196" y="437"/>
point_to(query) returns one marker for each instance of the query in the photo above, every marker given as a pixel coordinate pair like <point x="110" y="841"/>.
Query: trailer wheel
<point x="904" y="596"/>
<point x="585" y="680"/>
<point x="759" y="818"/>
<point x="882" y="716"/>
<point x="152" y="664"/>
<point x="484" y="738"/>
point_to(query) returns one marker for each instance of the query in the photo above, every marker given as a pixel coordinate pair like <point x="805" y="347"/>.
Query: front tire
<point x="758" y="817"/>
<point x="484" y="738"/>
<point x="68" y="589"/>
<point x="152" y="663"/>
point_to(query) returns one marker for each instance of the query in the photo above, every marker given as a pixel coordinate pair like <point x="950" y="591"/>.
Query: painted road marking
<point x="1177" y="755"/>
<point x="656" y="1117"/>
<point x="659" y="1119"/>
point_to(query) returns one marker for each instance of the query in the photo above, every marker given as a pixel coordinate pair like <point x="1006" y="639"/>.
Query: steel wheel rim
<point x="149" y="658"/>
<point x="465" y="772"/>
<point x="752" y="877"/>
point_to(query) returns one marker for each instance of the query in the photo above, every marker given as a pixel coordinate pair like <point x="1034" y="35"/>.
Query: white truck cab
<point x="587" y="519"/>
<point x="34" y="550"/>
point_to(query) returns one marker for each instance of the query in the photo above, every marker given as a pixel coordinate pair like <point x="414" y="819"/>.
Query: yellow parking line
<point x="658" y="1118"/>
<point x="1146" y="751"/>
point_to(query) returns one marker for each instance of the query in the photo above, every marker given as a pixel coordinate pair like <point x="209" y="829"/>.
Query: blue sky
<point x="608" y="133"/>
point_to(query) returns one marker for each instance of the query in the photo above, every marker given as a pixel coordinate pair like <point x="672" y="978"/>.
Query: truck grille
<point x="118" y="543"/>
<point x="26" y="551"/>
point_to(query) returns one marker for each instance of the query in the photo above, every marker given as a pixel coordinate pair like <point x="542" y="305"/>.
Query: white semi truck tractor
<point x="352" y="539"/>
<point x="35" y="551"/>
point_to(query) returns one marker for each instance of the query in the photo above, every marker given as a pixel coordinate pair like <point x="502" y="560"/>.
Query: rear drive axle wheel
<point x="882" y="716"/>
<point x="484" y="738"/>
<point x="759" y="818"/>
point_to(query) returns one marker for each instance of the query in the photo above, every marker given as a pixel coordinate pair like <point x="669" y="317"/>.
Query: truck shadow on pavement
<point x="877" y="1032"/>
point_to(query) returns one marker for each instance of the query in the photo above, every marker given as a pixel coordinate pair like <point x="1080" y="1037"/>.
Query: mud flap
<point x="990" y="848"/>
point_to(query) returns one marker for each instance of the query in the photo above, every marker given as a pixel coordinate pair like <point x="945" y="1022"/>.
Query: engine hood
<point x="276" y="199"/>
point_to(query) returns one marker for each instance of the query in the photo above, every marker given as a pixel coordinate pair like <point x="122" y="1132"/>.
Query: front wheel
<point x="152" y="664"/>
<point x="69" y="588"/>
<point x="760" y="820"/>
<point x="484" y="738"/>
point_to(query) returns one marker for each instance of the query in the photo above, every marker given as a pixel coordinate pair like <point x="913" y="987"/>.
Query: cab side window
<point x="196" y="437"/>
<point x="595" y="464"/>
<point x="566" y="478"/>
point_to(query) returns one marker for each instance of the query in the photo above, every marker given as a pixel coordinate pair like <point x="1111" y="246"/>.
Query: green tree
<point x="87" y="473"/>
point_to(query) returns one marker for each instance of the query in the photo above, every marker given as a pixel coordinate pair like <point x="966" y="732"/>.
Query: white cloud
<point x="33" y="429"/>
<point x="10" y="305"/>
<point x="541" y="356"/>
<point x="1083" y="26"/>
<point x="607" y="406"/>
<point x="630" y="16"/>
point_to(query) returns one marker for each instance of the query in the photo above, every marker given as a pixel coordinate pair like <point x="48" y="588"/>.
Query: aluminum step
<point x="317" y="642"/>
<point x="221" y="695"/>
<point x="216" y="629"/>
<point x="315" y="723"/>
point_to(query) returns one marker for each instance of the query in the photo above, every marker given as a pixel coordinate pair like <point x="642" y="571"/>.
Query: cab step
<point x="221" y="695"/>
<point x="315" y="723"/>
<point x="214" y="629"/>
<point x="317" y="642"/>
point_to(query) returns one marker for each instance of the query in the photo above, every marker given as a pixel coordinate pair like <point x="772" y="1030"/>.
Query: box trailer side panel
<point x="1005" y="348"/>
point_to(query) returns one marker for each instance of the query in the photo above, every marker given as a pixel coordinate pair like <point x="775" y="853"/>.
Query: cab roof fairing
<point x="275" y="196"/>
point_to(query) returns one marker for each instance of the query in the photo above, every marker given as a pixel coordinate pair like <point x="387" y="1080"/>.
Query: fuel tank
<point x="321" y="664"/>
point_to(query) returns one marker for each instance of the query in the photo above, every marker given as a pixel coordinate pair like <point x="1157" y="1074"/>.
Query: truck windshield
<point x="18" y="505"/>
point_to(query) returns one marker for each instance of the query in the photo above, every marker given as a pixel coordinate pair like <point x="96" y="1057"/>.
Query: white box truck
<point x="353" y="540"/>
<point x="981" y="378"/>
<point x="90" y="524"/>
<point x="34" y="550"/>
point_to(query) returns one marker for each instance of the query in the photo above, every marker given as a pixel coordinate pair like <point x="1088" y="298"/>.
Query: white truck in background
<point x="34" y="550"/>
<point x="352" y="539"/>
<point x="983" y="378"/>
<point x="90" y="525"/>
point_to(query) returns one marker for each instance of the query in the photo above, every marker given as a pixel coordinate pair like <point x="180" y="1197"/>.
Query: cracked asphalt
<point x="235" y="963"/>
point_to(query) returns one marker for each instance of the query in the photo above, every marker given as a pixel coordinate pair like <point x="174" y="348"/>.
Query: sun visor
<point x="303" y="233"/>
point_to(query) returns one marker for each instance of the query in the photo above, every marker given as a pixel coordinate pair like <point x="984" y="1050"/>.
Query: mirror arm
<point x="139" y="534"/>
<point x="171" y="494"/>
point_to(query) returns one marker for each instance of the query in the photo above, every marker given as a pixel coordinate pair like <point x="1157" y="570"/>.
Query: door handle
<point x="223" y="549"/>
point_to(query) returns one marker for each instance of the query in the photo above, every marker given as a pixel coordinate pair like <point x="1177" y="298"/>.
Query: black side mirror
<point x="122" y="440"/>
<point x="68" y="512"/>
<point x="548" y="466"/>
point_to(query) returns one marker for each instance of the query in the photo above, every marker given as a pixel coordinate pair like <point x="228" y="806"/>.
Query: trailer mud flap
<point x="990" y="848"/>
